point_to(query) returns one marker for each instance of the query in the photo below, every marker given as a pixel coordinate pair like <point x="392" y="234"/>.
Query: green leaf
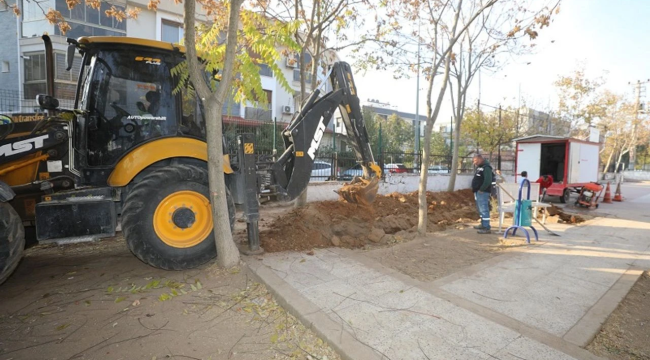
<point x="120" y="299"/>
<point x="274" y="338"/>
<point x="193" y="287"/>
<point x="198" y="285"/>
<point x="87" y="302"/>
<point x="61" y="327"/>
<point x="110" y="289"/>
<point x="164" y="297"/>
<point x="174" y="292"/>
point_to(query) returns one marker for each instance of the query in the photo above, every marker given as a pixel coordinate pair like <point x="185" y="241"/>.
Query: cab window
<point x="131" y="101"/>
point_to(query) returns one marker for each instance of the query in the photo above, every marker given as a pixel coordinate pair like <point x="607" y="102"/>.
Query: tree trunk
<point x="618" y="162"/>
<point x="609" y="161"/>
<point x="455" y="161"/>
<point x="432" y="116"/>
<point x="227" y="252"/>
<point x="426" y="151"/>
<point x="456" y="140"/>
<point x="301" y="200"/>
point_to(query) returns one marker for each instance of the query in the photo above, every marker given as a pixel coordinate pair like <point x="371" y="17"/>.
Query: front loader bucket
<point x="360" y="191"/>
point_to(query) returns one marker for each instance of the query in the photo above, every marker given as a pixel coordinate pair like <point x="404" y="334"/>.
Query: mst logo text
<point x="22" y="146"/>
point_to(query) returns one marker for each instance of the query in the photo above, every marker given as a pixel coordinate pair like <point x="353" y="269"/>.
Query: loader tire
<point x="167" y="221"/>
<point x="12" y="240"/>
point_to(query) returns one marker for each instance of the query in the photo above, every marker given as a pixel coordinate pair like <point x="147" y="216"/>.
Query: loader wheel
<point x="12" y="240"/>
<point x="167" y="219"/>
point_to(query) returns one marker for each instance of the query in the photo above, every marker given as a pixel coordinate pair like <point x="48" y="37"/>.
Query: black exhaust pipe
<point x="49" y="64"/>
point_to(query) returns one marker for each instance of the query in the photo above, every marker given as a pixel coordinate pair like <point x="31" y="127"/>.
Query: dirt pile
<point x="564" y="217"/>
<point x="338" y="223"/>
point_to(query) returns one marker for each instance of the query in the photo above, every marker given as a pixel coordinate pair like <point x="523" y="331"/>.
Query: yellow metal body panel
<point x="376" y="169"/>
<point x="140" y="158"/>
<point x="22" y="171"/>
<point x="125" y="40"/>
<point x="130" y="41"/>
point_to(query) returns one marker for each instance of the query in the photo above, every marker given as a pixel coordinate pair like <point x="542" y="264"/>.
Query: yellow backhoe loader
<point x="133" y="149"/>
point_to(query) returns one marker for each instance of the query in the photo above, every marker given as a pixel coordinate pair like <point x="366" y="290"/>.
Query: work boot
<point x="484" y="231"/>
<point x="478" y="227"/>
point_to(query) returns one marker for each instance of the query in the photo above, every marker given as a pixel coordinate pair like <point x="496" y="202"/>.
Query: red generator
<point x="573" y="163"/>
<point x="589" y="195"/>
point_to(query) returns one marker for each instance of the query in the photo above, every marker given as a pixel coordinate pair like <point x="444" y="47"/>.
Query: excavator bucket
<point x="360" y="191"/>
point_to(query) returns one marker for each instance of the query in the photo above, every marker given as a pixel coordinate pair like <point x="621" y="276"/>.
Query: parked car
<point x="438" y="169"/>
<point x="395" y="168"/>
<point x="350" y="173"/>
<point x="321" y="171"/>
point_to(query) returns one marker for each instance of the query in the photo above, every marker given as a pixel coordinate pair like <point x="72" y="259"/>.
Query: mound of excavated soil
<point x="564" y="217"/>
<point x="338" y="223"/>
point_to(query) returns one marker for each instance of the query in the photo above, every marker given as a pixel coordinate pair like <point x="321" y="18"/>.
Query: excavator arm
<point x="304" y="134"/>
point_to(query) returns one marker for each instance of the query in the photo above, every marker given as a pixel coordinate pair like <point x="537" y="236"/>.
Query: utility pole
<point x="518" y="110"/>
<point x="478" y="133"/>
<point x="499" y="148"/>
<point x="639" y="87"/>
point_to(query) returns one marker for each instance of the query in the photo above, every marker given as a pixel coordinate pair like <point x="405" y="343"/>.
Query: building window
<point x="5" y="66"/>
<point x="269" y="99"/>
<point x="172" y="32"/>
<point x="35" y="75"/>
<point x="87" y="21"/>
<point x="296" y="76"/>
<point x="34" y="67"/>
<point x="265" y="70"/>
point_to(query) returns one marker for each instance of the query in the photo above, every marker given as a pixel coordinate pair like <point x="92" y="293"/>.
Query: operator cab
<point x="127" y="96"/>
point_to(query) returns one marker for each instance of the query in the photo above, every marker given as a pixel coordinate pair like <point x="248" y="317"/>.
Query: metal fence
<point x="344" y="167"/>
<point x="267" y="134"/>
<point x="13" y="101"/>
<point x="334" y="165"/>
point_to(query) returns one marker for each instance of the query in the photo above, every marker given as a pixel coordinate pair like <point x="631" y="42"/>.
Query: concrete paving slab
<point x="541" y="302"/>
<point x="588" y="327"/>
<point x="520" y="349"/>
<point x="552" y="287"/>
<point x="410" y="345"/>
<point x="390" y="318"/>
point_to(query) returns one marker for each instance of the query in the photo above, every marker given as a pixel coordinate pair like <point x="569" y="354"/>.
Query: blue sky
<point x="607" y="35"/>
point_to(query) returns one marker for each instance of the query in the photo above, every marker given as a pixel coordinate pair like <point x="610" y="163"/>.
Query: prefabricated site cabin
<point x="571" y="162"/>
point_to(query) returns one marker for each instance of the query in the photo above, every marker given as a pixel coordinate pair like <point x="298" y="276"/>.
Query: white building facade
<point x="23" y="61"/>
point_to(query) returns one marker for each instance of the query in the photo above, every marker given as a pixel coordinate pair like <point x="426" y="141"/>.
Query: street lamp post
<point x="416" y="143"/>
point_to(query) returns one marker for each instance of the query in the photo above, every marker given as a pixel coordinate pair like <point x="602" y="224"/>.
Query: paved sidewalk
<point x="540" y="302"/>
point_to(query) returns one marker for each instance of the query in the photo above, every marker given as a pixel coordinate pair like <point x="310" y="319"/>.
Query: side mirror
<point x="69" y="58"/>
<point x="47" y="102"/>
